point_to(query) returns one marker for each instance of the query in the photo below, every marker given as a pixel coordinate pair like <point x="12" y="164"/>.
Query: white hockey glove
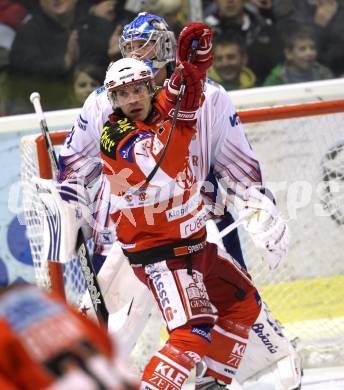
<point x="267" y="229"/>
<point x="66" y="212"/>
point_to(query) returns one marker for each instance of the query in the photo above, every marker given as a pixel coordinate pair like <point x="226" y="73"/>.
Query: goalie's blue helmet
<point x="149" y="28"/>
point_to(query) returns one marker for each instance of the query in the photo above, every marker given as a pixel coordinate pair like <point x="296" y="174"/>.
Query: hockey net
<point x="67" y="279"/>
<point x="301" y="151"/>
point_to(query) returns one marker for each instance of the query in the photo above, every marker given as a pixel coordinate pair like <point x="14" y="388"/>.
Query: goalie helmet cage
<point x="301" y="151"/>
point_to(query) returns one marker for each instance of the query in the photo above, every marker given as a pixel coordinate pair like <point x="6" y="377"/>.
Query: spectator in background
<point x="260" y="35"/>
<point x="12" y="14"/>
<point x="47" y="345"/>
<point x="170" y="10"/>
<point x="230" y="63"/>
<point x="47" y="48"/>
<point x="325" y="17"/>
<point x="300" y="63"/>
<point x="264" y="7"/>
<point x="86" y="78"/>
<point x="114" y="12"/>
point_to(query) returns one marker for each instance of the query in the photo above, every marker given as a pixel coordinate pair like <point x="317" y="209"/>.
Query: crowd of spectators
<point x="62" y="48"/>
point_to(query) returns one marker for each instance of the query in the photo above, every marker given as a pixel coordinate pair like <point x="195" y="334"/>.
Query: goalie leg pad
<point x="270" y="354"/>
<point x="122" y="291"/>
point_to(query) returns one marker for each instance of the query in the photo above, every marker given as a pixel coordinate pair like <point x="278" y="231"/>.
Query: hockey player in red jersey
<point x="46" y="345"/>
<point x="221" y="147"/>
<point x="194" y="284"/>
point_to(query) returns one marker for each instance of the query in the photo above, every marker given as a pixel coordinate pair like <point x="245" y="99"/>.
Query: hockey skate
<point x="203" y="382"/>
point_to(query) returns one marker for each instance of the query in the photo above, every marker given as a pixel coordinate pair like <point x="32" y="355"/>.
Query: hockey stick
<point x="97" y="298"/>
<point x="175" y="116"/>
<point x="91" y="280"/>
<point x="35" y="99"/>
<point x="235" y="224"/>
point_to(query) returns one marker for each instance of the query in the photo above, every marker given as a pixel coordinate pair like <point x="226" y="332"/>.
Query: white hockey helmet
<point x="125" y="72"/>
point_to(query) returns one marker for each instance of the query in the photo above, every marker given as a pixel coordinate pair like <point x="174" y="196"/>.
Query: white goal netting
<point x="302" y="161"/>
<point x="34" y="156"/>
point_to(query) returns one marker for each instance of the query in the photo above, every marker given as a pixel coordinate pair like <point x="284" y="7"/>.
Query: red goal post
<point x="301" y="150"/>
<point x="246" y="116"/>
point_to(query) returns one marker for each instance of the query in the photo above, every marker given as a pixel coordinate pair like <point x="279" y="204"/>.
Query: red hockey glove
<point x="203" y="57"/>
<point x="189" y="75"/>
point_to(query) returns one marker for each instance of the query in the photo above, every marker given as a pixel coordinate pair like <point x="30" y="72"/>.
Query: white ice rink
<point x="313" y="379"/>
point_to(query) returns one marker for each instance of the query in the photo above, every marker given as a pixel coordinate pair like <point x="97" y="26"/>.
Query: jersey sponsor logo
<point x="126" y="151"/>
<point x="229" y="371"/>
<point x="184" y="115"/>
<point x="167" y="377"/>
<point x="234" y="120"/>
<point x="236" y="355"/>
<point x="193" y="225"/>
<point x="106" y="143"/>
<point x="113" y="133"/>
<point x="82" y="123"/>
<point x="124" y="125"/>
<point x="186" y="250"/>
<point x="258" y="328"/>
<point x="198" y="296"/>
<point x="159" y="285"/>
<point x="160" y="288"/>
<point x="201" y="332"/>
<point x="239" y="349"/>
<point x="182" y="210"/>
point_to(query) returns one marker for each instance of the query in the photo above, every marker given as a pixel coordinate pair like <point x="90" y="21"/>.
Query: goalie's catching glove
<point x="272" y="237"/>
<point x="267" y="229"/>
<point x="188" y="75"/>
<point x="203" y="57"/>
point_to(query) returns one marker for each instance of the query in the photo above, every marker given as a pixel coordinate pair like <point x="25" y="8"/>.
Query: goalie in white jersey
<point x="220" y="147"/>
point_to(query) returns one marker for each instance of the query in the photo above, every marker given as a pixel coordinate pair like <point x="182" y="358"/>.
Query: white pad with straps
<point x="66" y="207"/>
<point x="128" y="301"/>
<point x="270" y="359"/>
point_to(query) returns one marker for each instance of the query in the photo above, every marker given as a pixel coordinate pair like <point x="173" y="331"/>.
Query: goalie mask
<point x="129" y="81"/>
<point x="148" y="38"/>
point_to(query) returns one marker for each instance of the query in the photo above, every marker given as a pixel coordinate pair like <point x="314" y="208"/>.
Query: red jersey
<point x="169" y="208"/>
<point x="46" y="345"/>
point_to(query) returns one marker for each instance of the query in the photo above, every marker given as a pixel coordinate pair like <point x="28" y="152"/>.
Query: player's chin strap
<point x="175" y="116"/>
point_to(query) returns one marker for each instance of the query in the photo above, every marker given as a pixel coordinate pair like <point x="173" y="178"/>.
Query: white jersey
<point x="220" y="144"/>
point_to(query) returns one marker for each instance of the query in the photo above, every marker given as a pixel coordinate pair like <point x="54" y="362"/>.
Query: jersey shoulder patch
<point x="113" y="133"/>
